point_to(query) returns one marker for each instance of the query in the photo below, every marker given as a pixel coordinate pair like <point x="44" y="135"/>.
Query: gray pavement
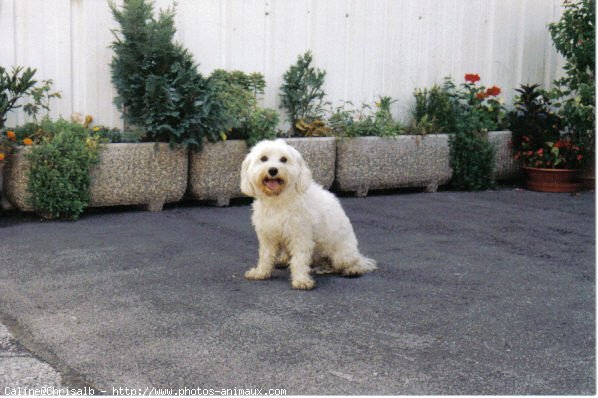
<point x="476" y="293"/>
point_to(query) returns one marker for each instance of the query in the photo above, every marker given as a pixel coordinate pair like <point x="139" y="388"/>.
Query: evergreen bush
<point x="159" y="87"/>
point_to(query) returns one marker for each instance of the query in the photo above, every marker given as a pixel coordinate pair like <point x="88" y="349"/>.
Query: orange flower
<point x="494" y="91"/>
<point x="472" y="77"/>
<point x="11" y="135"/>
<point x="27" y="141"/>
<point x="2" y="156"/>
<point x="481" y="95"/>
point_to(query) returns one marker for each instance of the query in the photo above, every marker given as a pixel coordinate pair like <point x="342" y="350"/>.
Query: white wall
<point x="367" y="47"/>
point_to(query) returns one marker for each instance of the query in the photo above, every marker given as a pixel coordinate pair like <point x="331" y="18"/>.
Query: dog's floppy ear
<point x="304" y="178"/>
<point x="246" y="185"/>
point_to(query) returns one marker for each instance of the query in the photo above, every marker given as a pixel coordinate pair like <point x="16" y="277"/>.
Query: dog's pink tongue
<point x="272" y="184"/>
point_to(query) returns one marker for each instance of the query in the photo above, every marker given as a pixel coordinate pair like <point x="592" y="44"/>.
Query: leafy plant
<point x="302" y="92"/>
<point x="262" y="124"/>
<point x="41" y="97"/>
<point x="433" y="111"/>
<point x="365" y="122"/>
<point x="238" y="92"/>
<point x="471" y="155"/>
<point x="59" y="176"/>
<point x="562" y="154"/>
<point x="574" y="36"/>
<point x="533" y="118"/>
<point x="14" y="86"/>
<point x="466" y="112"/>
<point x="538" y="138"/>
<point x="159" y="87"/>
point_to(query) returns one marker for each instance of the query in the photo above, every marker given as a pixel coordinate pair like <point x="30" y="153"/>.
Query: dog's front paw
<point x="255" y="275"/>
<point x="303" y="284"/>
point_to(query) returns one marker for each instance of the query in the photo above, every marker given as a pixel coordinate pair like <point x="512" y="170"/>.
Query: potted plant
<point x="550" y="158"/>
<point x="372" y="152"/>
<point x="67" y="166"/>
<point x="449" y="139"/>
<point x="214" y="172"/>
<point x="302" y="96"/>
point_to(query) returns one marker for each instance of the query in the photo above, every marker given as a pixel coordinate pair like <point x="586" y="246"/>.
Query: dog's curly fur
<point x="296" y="220"/>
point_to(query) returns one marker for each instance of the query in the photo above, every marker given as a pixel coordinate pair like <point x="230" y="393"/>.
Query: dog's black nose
<point x="272" y="171"/>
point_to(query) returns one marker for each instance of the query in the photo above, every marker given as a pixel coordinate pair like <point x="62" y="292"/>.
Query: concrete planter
<point x="505" y="165"/>
<point x="215" y="172"/>
<point x="320" y="155"/>
<point x="128" y="174"/>
<point x="367" y="163"/>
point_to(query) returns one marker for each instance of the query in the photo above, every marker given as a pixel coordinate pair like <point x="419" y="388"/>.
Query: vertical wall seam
<point x="347" y="16"/>
<point x="72" y="49"/>
<point x="384" y="44"/>
<point x="14" y="32"/>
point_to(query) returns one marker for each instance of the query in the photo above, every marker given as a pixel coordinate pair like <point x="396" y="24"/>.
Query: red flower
<point x="494" y="91"/>
<point x="540" y="151"/>
<point x="481" y="95"/>
<point x="471" y="77"/>
<point x="579" y="157"/>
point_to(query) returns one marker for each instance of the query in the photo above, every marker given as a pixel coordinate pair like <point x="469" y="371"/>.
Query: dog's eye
<point x="283" y="159"/>
<point x="264" y="158"/>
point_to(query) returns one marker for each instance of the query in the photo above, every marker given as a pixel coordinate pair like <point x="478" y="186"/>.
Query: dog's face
<point x="273" y="168"/>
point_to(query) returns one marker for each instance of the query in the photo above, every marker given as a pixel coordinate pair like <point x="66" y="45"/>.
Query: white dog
<point x="296" y="220"/>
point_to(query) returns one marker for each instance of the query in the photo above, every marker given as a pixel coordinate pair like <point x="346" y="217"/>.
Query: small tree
<point x="159" y="87"/>
<point x="302" y="92"/>
<point x="574" y="37"/>
<point x="13" y="87"/>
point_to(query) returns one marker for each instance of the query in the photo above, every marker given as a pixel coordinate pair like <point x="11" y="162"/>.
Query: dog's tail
<point x="361" y="266"/>
<point x="367" y="264"/>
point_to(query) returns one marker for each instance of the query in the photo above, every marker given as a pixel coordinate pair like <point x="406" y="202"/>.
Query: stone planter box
<point x="215" y="172"/>
<point x="128" y="174"/>
<point x="368" y="163"/>
<point x="505" y="166"/>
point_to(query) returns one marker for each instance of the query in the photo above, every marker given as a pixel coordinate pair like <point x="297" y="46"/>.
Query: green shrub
<point x="466" y="112"/>
<point x="302" y="93"/>
<point x="433" y="111"/>
<point x="262" y="124"/>
<point x="159" y="87"/>
<point x="13" y="87"/>
<point x="59" y="179"/>
<point x="471" y="155"/>
<point x="365" y="122"/>
<point x="574" y="37"/>
<point x="533" y="117"/>
<point x="238" y="93"/>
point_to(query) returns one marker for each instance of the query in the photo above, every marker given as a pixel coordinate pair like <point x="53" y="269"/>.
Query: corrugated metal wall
<point x="367" y="47"/>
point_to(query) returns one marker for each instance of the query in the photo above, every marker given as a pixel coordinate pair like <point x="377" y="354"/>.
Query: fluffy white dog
<point x="296" y="220"/>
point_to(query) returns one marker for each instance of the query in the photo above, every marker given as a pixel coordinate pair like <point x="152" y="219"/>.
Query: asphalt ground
<point x="476" y="293"/>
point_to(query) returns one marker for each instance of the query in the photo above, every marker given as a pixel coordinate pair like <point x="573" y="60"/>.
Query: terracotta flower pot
<point x="552" y="180"/>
